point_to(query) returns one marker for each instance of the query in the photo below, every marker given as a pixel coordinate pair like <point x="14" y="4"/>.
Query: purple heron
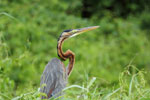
<point x="55" y="75"/>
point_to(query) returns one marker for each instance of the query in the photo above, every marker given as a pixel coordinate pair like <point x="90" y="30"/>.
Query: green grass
<point x="112" y="62"/>
<point x="132" y="86"/>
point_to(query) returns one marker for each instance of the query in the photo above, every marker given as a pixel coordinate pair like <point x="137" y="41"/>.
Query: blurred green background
<point x="29" y="30"/>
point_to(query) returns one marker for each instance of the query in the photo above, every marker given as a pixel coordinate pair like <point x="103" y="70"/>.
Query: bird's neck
<point x="68" y="54"/>
<point x="59" y="49"/>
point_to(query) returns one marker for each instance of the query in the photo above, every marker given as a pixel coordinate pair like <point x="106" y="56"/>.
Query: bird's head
<point x="74" y="32"/>
<point x="68" y="34"/>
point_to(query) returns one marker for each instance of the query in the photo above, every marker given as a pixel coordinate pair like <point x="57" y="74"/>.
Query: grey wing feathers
<point x="53" y="79"/>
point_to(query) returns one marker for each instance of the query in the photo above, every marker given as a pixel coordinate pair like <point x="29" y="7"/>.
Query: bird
<point x="55" y="75"/>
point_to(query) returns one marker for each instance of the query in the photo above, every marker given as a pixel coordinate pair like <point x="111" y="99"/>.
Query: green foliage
<point x="28" y="37"/>
<point x="144" y="21"/>
<point x="132" y="86"/>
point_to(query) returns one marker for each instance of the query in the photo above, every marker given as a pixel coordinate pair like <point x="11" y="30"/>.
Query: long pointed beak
<point x="82" y="30"/>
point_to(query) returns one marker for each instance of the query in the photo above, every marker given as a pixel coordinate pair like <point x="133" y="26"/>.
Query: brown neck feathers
<point x="68" y="54"/>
